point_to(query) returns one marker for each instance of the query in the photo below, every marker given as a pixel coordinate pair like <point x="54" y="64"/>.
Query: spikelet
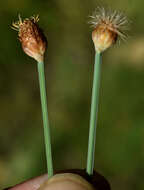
<point x="108" y="27"/>
<point x="31" y="37"/>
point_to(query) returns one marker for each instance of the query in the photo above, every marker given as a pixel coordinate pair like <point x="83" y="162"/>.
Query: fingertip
<point x="32" y="184"/>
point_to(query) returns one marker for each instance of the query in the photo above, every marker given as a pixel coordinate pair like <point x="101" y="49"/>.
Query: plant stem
<point x="45" y="118"/>
<point x="93" y="115"/>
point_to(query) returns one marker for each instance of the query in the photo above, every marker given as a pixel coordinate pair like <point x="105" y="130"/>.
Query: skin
<point x="34" y="184"/>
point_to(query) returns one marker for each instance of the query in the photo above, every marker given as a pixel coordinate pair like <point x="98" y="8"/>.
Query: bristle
<point x="112" y="20"/>
<point x="35" y="18"/>
<point x="20" y="19"/>
<point x="16" y="24"/>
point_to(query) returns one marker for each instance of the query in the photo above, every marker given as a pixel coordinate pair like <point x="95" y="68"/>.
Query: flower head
<point x="31" y="37"/>
<point x="108" y="26"/>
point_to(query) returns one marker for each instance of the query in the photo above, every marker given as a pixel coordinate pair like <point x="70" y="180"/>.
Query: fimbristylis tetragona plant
<point x="108" y="27"/>
<point x="34" y="44"/>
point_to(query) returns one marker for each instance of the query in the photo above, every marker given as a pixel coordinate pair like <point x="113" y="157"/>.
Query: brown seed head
<point x="108" y="26"/>
<point x="31" y="37"/>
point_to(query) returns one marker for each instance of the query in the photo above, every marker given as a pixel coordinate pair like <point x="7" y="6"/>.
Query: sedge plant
<point x="34" y="44"/>
<point x="108" y="27"/>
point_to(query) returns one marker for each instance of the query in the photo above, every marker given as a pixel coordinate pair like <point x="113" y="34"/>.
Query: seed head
<point x="31" y="37"/>
<point x="108" y="26"/>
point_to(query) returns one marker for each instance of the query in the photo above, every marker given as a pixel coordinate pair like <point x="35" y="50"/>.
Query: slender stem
<point x="45" y="118"/>
<point x="93" y="116"/>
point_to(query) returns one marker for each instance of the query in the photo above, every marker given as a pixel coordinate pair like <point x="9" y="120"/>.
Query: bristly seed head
<point x="31" y="37"/>
<point x="108" y="26"/>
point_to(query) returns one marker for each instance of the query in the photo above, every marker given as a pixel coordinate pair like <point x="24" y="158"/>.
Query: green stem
<point x="93" y="116"/>
<point x="45" y="118"/>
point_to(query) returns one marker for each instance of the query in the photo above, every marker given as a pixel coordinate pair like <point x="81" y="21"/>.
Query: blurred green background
<point x="69" y="72"/>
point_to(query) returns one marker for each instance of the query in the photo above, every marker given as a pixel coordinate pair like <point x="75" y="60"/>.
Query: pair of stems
<point x="93" y="116"/>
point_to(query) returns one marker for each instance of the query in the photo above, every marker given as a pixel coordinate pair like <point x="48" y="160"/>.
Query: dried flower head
<point x="108" y="26"/>
<point x="31" y="37"/>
